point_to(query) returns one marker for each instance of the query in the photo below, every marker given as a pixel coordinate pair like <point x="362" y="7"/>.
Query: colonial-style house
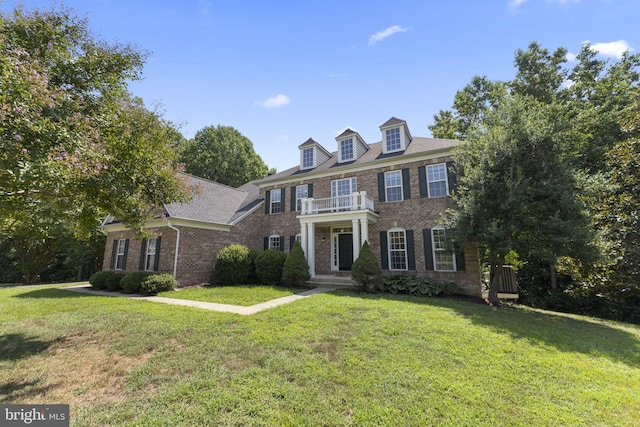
<point x="390" y="193"/>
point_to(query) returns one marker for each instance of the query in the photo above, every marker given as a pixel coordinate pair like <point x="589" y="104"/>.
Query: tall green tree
<point x="222" y="154"/>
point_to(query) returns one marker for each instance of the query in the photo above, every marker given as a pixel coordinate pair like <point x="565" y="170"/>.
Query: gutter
<point x="175" y="259"/>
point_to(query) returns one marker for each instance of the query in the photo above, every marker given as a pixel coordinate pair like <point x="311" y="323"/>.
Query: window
<point x="393" y="139"/>
<point x="307" y="158"/>
<point x="150" y="258"/>
<point x="342" y="188"/>
<point x="302" y="192"/>
<point x="397" y="250"/>
<point x="393" y="186"/>
<point x="121" y="254"/>
<point x="346" y="150"/>
<point x="274" y="242"/>
<point x="437" y="180"/>
<point x="276" y="202"/>
<point x="443" y="259"/>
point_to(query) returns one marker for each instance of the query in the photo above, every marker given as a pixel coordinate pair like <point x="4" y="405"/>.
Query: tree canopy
<point x="222" y="154"/>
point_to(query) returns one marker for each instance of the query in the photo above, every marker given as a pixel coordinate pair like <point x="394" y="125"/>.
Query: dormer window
<point x="395" y="136"/>
<point x="346" y="150"/>
<point x="350" y="146"/>
<point x="312" y="155"/>
<point x="393" y="139"/>
<point x="307" y="158"/>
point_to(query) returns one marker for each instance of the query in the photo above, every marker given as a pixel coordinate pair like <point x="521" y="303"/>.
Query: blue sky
<point x="284" y="71"/>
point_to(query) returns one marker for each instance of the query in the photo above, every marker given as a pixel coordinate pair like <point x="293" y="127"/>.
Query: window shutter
<point x="384" y="251"/>
<point x="381" y="187"/>
<point x="422" y="179"/>
<point x="267" y="202"/>
<point x="451" y="177"/>
<point x="292" y="241"/>
<point x="126" y="251"/>
<point x="309" y="190"/>
<point x="266" y="243"/>
<point x="406" y="185"/>
<point x="428" y="249"/>
<point x="294" y="206"/>
<point x="156" y="262"/>
<point x="460" y="262"/>
<point x="282" y="243"/>
<point x="283" y="199"/>
<point x="411" y="253"/>
<point x="113" y="254"/>
<point x="143" y="254"/>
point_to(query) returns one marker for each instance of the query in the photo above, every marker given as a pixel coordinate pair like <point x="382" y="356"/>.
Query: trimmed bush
<point x="366" y="269"/>
<point x="253" y="276"/>
<point x="106" y="279"/>
<point x="296" y="269"/>
<point x="157" y="283"/>
<point x="233" y="265"/>
<point x="131" y="282"/>
<point x="269" y="265"/>
<point x="417" y="286"/>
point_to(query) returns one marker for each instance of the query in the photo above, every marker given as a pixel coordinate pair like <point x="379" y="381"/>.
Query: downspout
<point x="175" y="258"/>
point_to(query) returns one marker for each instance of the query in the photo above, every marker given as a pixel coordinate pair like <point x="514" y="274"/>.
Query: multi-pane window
<point x="393" y="186"/>
<point x="340" y="189"/>
<point x="274" y="242"/>
<point x="302" y="192"/>
<point x="307" y="158"/>
<point x="393" y="139"/>
<point x="397" y="250"/>
<point x="150" y="258"/>
<point x="120" y="254"/>
<point x="346" y="150"/>
<point x="437" y="180"/>
<point x="276" y="202"/>
<point x="444" y="260"/>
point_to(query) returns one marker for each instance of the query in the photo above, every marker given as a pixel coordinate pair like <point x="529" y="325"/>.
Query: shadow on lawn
<point x="563" y="332"/>
<point x="14" y="391"/>
<point x="53" y="293"/>
<point x="17" y="346"/>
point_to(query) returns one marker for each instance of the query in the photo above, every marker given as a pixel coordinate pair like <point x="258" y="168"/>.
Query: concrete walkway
<point x="227" y="308"/>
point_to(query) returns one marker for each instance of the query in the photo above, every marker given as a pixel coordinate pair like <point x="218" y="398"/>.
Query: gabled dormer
<point x="350" y="146"/>
<point x="312" y="154"/>
<point x="395" y="135"/>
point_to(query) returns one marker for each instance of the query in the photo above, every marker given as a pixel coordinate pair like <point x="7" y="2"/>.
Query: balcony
<point x="353" y="202"/>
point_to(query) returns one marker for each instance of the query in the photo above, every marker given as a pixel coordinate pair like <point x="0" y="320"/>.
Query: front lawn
<point x="331" y="359"/>
<point x="235" y="295"/>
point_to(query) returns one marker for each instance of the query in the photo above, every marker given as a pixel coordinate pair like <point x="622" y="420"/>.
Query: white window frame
<point x="308" y="158"/>
<point x="440" y="254"/>
<point x="397" y="178"/>
<point x="347" y="147"/>
<point x="120" y="253"/>
<point x="431" y="179"/>
<point x="393" y="135"/>
<point x="398" y="248"/>
<point x="299" y="197"/>
<point x="338" y="194"/>
<point x="150" y="256"/>
<point x="274" y="242"/>
<point x="273" y="200"/>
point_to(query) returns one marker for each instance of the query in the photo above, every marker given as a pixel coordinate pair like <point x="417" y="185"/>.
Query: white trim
<point x="386" y="194"/>
<point x="175" y="258"/>
<point x="433" y="251"/>
<point x="162" y="222"/>
<point x="446" y="179"/>
<point x="406" y="252"/>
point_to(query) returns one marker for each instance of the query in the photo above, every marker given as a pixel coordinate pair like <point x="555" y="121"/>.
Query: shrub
<point x="106" y="279"/>
<point x="253" y="276"/>
<point x="366" y="269"/>
<point x="233" y="264"/>
<point x="417" y="286"/>
<point x="132" y="281"/>
<point x="269" y="265"/>
<point x="157" y="283"/>
<point x="296" y="268"/>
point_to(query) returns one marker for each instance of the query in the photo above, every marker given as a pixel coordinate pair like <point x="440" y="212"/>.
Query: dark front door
<point x="345" y="251"/>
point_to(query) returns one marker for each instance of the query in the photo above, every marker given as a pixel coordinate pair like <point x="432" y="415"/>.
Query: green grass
<point x="331" y="359"/>
<point x="235" y="295"/>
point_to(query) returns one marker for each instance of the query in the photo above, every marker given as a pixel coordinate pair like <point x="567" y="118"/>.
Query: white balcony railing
<point x="353" y="202"/>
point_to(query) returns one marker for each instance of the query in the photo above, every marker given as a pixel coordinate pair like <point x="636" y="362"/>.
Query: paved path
<point x="227" y="308"/>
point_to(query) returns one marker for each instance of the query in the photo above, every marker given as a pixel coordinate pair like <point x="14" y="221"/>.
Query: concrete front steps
<point x="332" y="281"/>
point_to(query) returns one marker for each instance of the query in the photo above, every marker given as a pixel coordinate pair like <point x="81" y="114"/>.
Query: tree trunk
<point x="553" y="276"/>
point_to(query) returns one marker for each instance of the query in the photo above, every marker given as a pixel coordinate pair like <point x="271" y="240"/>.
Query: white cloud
<point x="571" y="57"/>
<point x="515" y="3"/>
<point x="275" y="101"/>
<point x="381" y="35"/>
<point x="615" y="49"/>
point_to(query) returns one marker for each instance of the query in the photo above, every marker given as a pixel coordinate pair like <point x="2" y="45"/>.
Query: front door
<point x="345" y="252"/>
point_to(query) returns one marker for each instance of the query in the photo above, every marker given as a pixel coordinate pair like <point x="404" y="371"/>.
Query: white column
<point x="365" y="230"/>
<point x="303" y="239"/>
<point x="356" y="238"/>
<point x="311" y="245"/>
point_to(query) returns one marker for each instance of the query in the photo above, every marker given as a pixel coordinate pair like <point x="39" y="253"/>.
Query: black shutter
<point x="309" y="190"/>
<point x="428" y="249"/>
<point x="384" y="251"/>
<point x="422" y="179"/>
<point x="460" y="262"/>
<point x="292" y="241"/>
<point x="267" y="201"/>
<point x="411" y="253"/>
<point x="283" y="199"/>
<point x="451" y="177"/>
<point x="294" y="205"/>
<point x="126" y="251"/>
<point x="156" y="261"/>
<point x="282" y="243"/>
<point x="143" y="254"/>
<point x="266" y="243"/>
<point x="406" y="185"/>
<point x="381" y="189"/>
<point x="113" y="254"/>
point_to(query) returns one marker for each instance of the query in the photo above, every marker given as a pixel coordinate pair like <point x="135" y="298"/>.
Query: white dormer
<point x="312" y="154"/>
<point x="350" y="146"/>
<point x="395" y="135"/>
